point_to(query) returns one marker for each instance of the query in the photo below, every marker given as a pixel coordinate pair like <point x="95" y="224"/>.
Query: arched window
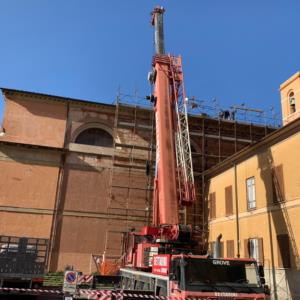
<point x="95" y="137"/>
<point x="292" y="102"/>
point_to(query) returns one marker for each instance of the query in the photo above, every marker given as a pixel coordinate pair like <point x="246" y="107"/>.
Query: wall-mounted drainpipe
<point x="237" y="211"/>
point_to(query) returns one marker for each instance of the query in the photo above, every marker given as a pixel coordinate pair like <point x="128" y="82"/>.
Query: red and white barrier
<point x="107" y="294"/>
<point x="99" y="294"/>
<point x="22" y="290"/>
<point x="96" y="294"/>
<point x="85" y="279"/>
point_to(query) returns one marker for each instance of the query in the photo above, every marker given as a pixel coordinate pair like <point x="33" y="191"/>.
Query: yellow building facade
<point x="253" y="200"/>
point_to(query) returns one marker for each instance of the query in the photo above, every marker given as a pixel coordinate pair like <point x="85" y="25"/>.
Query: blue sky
<point x="235" y="51"/>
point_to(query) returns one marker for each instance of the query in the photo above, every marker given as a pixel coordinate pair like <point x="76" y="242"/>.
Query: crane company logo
<point x="161" y="264"/>
<point x="160" y="261"/>
<point x="221" y="262"/>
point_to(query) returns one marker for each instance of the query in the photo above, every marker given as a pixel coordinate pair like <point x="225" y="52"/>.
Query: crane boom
<point x="165" y="186"/>
<point x="162" y="257"/>
<point x="174" y="180"/>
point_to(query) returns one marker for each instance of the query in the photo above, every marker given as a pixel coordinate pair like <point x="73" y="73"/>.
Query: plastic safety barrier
<point x="23" y="290"/>
<point x="99" y="294"/>
<point x="107" y="294"/>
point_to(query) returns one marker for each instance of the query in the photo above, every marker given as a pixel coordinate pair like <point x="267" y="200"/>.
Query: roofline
<point x="289" y="80"/>
<point x="94" y="103"/>
<point x="55" y="97"/>
<point x="66" y="99"/>
<point x="271" y="139"/>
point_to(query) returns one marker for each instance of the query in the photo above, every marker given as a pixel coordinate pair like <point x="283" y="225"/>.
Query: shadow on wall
<point x="284" y="240"/>
<point x="25" y="158"/>
<point x="206" y="214"/>
<point x="70" y="162"/>
<point x="40" y="107"/>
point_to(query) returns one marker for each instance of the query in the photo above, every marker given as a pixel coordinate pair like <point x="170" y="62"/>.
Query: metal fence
<point x="22" y="256"/>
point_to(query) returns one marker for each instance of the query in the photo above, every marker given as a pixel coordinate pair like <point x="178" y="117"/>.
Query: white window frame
<point x="254" y="249"/>
<point x="251" y="195"/>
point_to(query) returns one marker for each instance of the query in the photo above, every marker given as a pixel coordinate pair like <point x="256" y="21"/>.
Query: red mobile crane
<point x="162" y="258"/>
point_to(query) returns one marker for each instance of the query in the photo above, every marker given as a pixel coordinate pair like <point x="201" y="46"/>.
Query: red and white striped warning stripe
<point x="84" y="279"/>
<point x="6" y="289"/>
<point x="106" y="295"/>
<point x="97" y="294"/>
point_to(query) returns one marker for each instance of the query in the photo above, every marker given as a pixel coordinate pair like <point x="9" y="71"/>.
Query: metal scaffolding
<point x="213" y="139"/>
<point x="132" y="170"/>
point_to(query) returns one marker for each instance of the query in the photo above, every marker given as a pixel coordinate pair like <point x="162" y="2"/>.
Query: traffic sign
<point x="70" y="282"/>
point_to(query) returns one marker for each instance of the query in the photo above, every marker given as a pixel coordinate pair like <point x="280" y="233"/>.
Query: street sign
<point x="70" y="282"/>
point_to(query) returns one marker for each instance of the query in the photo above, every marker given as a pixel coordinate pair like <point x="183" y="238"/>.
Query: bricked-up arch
<point x="95" y="137"/>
